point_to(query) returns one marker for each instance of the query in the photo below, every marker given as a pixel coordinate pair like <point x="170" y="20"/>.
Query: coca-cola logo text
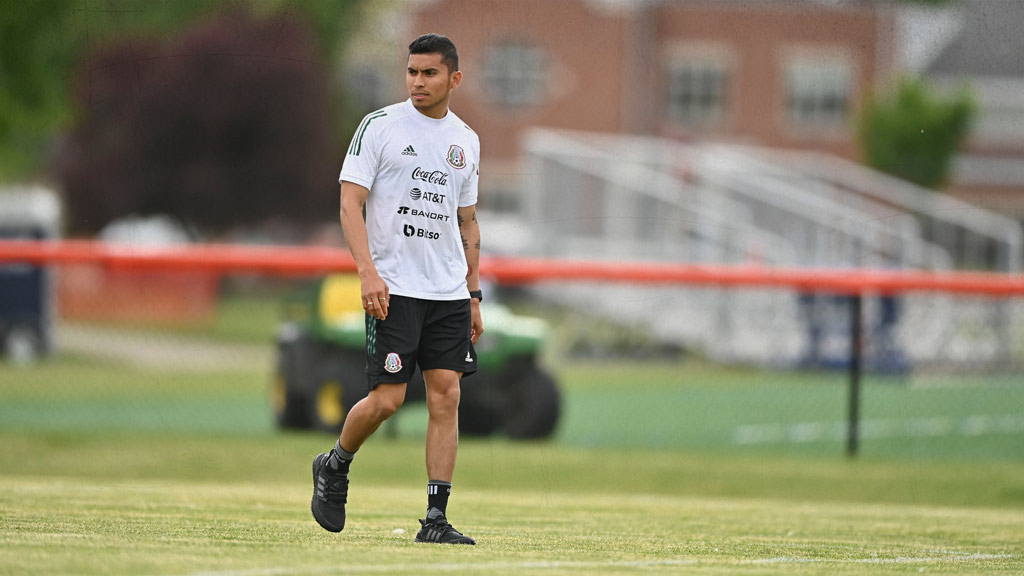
<point x="436" y="177"/>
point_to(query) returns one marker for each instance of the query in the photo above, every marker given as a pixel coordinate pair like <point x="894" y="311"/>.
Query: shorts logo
<point x="393" y="362"/>
<point x="456" y="157"/>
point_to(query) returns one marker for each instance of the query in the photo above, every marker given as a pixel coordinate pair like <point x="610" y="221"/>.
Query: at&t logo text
<point x="434" y="197"/>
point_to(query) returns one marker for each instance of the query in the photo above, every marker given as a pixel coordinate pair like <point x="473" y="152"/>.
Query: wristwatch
<point x="478" y="294"/>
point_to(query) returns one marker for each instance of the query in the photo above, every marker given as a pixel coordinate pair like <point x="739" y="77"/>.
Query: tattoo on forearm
<point x="465" y="242"/>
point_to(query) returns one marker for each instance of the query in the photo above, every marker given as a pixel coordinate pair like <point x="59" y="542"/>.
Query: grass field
<point x="118" y="468"/>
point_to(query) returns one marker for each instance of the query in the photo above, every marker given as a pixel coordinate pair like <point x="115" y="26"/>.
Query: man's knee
<point x="386" y="399"/>
<point x="443" y="391"/>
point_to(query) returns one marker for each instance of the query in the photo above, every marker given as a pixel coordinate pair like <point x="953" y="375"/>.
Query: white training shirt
<point x="419" y="171"/>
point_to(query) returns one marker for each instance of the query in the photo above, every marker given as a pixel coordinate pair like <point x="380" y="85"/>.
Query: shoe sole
<point x="312" y="502"/>
<point x="420" y="540"/>
<point x="449" y="543"/>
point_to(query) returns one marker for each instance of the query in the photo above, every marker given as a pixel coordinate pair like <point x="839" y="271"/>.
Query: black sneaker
<point x="439" y="531"/>
<point x="330" y="493"/>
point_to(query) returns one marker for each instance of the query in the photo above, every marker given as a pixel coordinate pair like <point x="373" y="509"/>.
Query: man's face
<point x="429" y="83"/>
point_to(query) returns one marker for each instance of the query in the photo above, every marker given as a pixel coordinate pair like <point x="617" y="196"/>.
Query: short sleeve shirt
<point x="419" y="171"/>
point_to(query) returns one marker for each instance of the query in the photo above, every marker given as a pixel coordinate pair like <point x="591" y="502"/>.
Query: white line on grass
<point x="804" y="432"/>
<point x="895" y="560"/>
<point x="424" y="567"/>
<point x="548" y="565"/>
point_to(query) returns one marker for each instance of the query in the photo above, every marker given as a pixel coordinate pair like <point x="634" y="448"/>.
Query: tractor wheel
<point x="479" y="414"/>
<point x="341" y="382"/>
<point x="534" y="402"/>
<point x="289" y="388"/>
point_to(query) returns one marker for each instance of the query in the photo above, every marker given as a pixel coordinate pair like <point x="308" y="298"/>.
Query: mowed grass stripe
<point x="529" y="467"/>
<point x="518" y="567"/>
<point x="165" y="527"/>
<point x="671" y="406"/>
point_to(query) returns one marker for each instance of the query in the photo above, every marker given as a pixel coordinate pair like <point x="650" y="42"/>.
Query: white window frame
<point x="514" y="73"/>
<point x="818" y="90"/>
<point x="697" y="92"/>
<point x="697" y="85"/>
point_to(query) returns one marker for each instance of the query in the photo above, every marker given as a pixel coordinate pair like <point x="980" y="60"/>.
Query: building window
<point x="818" y="92"/>
<point x="697" y="92"/>
<point x="514" y="74"/>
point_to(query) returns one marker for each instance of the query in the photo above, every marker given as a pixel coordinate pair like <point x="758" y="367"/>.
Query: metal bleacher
<point x="605" y="196"/>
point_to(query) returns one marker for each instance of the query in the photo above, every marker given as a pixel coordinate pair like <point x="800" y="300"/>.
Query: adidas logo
<point x="408" y="151"/>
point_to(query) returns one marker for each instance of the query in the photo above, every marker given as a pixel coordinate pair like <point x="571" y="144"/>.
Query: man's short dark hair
<point x="437" y="44"/>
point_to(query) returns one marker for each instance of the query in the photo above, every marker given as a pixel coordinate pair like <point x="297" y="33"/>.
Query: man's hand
<point x="477" y="320"/>
<point x="375" y="294"/>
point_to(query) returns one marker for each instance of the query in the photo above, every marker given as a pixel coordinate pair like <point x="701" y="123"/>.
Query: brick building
<point x="773" y="73"/>
<point x="765" y="72"/>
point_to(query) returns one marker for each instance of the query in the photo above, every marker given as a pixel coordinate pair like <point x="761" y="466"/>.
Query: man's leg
<point x="368" y="414"/>
<point x="330" y="471"/>
<point x="443" y="393"/>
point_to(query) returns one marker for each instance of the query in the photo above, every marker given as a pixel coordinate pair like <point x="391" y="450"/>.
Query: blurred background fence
<point x="761" y="360"/>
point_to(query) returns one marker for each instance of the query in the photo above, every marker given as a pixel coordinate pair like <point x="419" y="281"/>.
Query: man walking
<point x="413" y="167"/>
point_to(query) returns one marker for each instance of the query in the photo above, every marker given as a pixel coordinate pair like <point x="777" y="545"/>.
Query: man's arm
<point x="375" y="292"/>
<point x="470" y="230"/>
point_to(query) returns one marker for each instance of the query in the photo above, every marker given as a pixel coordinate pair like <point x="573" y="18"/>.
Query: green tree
<point x="914" y="133"/>
<point x="41" y="41"/>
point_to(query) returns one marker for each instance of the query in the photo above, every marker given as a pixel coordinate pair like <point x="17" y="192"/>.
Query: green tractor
<point x="321" y="361"/>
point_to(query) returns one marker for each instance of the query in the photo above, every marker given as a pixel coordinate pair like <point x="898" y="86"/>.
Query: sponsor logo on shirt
<point x="411" y="231"/>
<point x="409" y="151"/>
<point x="423" y="213"/>
<point x="430" y="176"/>
<point x="434" y="197"/>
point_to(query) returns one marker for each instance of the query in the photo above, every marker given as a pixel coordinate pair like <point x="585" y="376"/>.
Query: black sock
<point x="437" y="497"/>
<point x="340" y="458"/>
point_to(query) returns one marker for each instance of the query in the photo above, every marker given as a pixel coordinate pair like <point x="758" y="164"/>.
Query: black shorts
<point x="431" y="334"/>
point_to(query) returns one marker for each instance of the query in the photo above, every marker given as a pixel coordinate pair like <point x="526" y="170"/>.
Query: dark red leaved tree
<point x="226" y="125"/>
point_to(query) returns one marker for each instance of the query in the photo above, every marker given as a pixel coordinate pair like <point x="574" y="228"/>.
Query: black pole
<point x="856" y="357"/>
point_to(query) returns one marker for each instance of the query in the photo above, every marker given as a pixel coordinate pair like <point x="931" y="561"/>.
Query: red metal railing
<point x="222" y="259"/>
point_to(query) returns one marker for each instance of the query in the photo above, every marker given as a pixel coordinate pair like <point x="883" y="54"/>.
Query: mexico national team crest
<point x="457" y="157"/>
<point x="393" y="363"/>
